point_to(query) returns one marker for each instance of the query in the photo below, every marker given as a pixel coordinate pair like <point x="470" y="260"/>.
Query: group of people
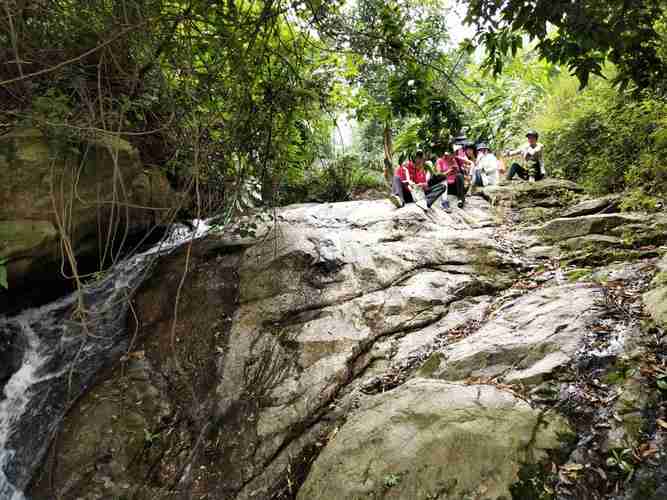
<point x="468" y="164"/>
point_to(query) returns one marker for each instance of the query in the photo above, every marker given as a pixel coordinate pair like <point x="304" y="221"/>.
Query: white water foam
<point x="17" y="397"/>
<point x="17" y="390"/>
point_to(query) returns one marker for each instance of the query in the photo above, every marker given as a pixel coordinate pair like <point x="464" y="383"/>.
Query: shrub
<point x="607" y="141"/>
<point x="332" y="181"/>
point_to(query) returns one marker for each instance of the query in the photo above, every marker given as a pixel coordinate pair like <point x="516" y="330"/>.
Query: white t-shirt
<point x="487" y="166"/>
<point x="531" y="154"/>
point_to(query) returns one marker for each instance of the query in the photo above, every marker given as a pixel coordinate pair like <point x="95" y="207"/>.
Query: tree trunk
<point x="388" y="153"/>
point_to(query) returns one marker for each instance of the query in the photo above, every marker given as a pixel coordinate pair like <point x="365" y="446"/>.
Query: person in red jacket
<point x="407" y="178"/>
<point x="453" y="168"/>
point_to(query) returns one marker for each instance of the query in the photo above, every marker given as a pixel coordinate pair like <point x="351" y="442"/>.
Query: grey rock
<point x="605" y="205"/>
<point x="655" y="299"/>
<point x="591" y="241"/>
<point x="432" y="439"/>
<point x="526" y="339"/>
<point x="575" y="227"/>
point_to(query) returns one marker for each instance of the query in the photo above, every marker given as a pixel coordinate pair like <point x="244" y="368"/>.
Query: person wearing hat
<point x="461" y="146"/>
<point x="532" y="155"/>
<point x="451" y="169"/>
<point x="471" y="153"/>
<point x="485" y="172"/>
<point x="408" y="179"/>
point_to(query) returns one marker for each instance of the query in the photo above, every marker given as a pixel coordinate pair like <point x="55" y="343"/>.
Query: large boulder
<point x="655" y="300"/>
<point x="315" y="295"/>
<point x="576" y="227"/>
<point x="95" y="191"/>
<point x="547" y="194"/>
<point x="432" y="439"/>
<point x="634" y="228"/>
<point x="605" y="205"/>
<point x="526" y="339"/>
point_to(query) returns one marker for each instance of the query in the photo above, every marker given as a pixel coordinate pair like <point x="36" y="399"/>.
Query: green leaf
<point x="3" y="275"/>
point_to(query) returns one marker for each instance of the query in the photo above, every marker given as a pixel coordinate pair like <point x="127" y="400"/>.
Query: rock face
<point x="316" y="296"/>
<point x="96" y="190"/>
<point x="432" y="439"/>
<point x="576" y="227"/>
<point x="605" y="205"/>
<point x="545" y="194"/>
<point x="526" y="339"/>
<point x="331" y="354"/>
<point x="656" y="299"/>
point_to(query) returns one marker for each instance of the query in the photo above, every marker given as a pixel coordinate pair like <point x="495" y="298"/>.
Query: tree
<point x="581" y="35"/>
<point x="398" y="47"/>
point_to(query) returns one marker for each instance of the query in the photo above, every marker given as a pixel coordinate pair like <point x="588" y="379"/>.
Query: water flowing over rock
<point x="340" y="351"/>
<point x="59" y="350"/>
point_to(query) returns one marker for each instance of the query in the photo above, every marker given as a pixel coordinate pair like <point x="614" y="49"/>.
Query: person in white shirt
<point x="532" y="155"/>
<point x="485" y="172"/>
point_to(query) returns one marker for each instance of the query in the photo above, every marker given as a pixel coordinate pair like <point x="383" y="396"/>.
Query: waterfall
<point x="62" y="347"/>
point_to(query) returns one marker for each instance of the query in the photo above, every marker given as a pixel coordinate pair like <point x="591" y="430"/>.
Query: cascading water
<point x="62" y="346"/>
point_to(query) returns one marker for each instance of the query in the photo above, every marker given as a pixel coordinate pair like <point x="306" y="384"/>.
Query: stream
<point x="63" y="346"/>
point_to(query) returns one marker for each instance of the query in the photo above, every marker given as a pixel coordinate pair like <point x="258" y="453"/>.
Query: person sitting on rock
<point x="485" y="172"/>
<point x="461" y="146"/>
<point x="438" y="182"/>
<point x="532" y="155"/>
<point x="408" y="178"/>
<point x="470" y="153"/>
<point x="453" y="168"/>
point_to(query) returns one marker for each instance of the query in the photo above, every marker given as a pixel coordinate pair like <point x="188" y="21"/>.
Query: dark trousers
<point x="458" y="188"/>
<point x="517" y="169"/>
<point x="401" y="190"/>
<point x="437" y="186"/>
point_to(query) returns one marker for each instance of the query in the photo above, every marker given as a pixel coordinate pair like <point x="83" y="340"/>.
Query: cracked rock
<point x="423" y="439"/>
<point x="526" y="339"/>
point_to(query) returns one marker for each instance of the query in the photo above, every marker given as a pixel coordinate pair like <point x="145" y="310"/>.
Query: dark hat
<point x="420" y="153"/>
<point x="534" y="133"/>
<point x="469" y="144"/>
<point x="482" y="145"/>
<point x="461" y="139"/>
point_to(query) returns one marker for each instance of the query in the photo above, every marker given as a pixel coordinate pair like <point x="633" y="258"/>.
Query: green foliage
<point x="400" y="72"/>
<point x="336" y="180"/>
<point x="533" y="483"/>
<point x="507" y="100"/>
<point x="195" y="85"/>
<point x="606" y="140"/>
<point x="3" y="275"/>
<point x="622" y="460"/>
<point x="391" y="480"/>
<point x="581" y="35"/>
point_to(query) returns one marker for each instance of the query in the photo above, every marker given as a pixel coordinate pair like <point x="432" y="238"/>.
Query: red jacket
<point x="409" y="172"/>
<point x="462" y="159"/>
<point x="448" y="164"/>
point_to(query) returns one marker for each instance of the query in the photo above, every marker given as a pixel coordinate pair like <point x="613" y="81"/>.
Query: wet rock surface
<point x="352" y="350"/>
<point x="46" y="187"/>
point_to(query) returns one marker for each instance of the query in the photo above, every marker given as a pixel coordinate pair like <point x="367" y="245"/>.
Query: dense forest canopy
<point x="228" y="95"/>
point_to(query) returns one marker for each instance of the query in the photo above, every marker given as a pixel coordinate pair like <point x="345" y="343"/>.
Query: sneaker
<point x="421" y="204"/>
<point x="396" y="201"/>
